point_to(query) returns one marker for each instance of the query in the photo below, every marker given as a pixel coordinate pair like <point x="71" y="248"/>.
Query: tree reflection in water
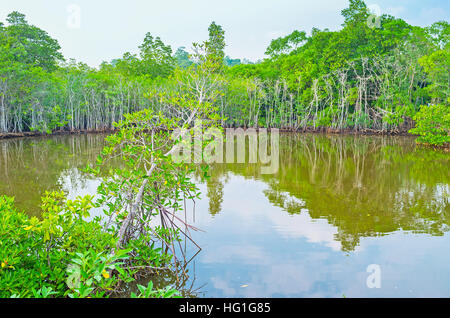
<point x="361" y="186"/>
<point x="364" y="185"/>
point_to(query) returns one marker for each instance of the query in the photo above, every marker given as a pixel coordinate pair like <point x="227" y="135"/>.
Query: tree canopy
<point x="364" y="76"/>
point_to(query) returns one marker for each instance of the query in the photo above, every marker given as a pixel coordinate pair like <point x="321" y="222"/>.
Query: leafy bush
<point x="62" y="254"/>
<point x="432" y="125"/>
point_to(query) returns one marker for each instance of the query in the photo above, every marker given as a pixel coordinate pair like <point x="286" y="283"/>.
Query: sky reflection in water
<point x="337" y="205"/>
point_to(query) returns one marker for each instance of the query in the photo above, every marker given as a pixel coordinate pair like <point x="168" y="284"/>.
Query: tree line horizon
<point x="389" y="77"/>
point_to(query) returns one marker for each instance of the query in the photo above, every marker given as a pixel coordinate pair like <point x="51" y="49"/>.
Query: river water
<point x="344" y="216"/>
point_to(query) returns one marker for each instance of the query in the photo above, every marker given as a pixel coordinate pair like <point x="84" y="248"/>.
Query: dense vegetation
<point x="64" y="253"/>
<point x="363" y="77"/>
<point x="374" y="73"/>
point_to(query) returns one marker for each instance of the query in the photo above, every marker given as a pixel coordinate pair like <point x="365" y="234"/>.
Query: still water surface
<point x="337" y="205"/>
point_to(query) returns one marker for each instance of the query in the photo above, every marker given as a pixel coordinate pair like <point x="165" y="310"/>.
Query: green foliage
<point x="437" y="65"/>
<point x="355" y="13"/>
<point x="156" y="57"/>
<point x="209" y="55"/>
<point x="216" y="44"/>
<point x="363" y="76"/>
<point x="149" y="292"/>
<point x="63" y="253"/>
<point x="38" y="48"/>
<point x="359" y="77"/>
<point x="182" y="58"/>
<point x="286" y="44"/>
<point x="152" y="182"/>
<point x="43" y="292"/>
<point x="231" y="62"/>
<point x="90" y="273"/>
<point x="433" y="125"/>
<point x="37" y="251"/>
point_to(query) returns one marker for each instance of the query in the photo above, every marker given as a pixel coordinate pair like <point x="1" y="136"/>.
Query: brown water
<point x="337" y="205"/>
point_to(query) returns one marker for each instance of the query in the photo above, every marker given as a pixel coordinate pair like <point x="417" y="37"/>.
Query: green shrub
<point x="433" y="125"/>
<point x="62" y="254"/>
<point x="35" y="253"/>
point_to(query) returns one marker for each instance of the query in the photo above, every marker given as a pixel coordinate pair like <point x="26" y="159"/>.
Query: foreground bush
<point x="65" y="255"/>
<point x="433" y="125"/>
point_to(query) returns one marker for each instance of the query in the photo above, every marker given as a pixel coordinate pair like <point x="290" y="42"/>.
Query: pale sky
<point x="105" y="29"/>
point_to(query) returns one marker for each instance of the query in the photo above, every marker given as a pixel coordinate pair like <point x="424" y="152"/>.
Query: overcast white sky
<point x="109" y="28"/>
